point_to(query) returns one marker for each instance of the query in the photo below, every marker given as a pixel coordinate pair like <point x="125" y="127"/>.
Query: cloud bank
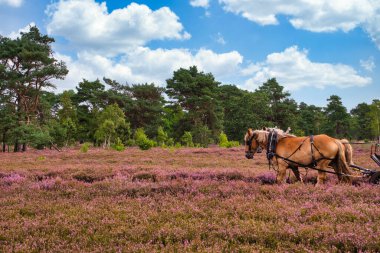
<point x="12" y="3"/>
<point x="88" y="24"/>
<point x="294" y="70"/>
<point x="200" y="3"/>
<point x="315" y="16"/>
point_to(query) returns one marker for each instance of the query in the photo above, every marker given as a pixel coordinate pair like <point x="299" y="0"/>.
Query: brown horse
<point x="321" y="152"/>
<point x="347" y="148"/>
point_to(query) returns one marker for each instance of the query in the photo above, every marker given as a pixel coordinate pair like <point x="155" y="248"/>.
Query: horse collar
<point x="272" y="144"/>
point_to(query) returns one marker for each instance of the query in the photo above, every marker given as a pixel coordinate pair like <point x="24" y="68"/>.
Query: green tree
<point x="202" y="135"/>
<point x="337" y="123"/>
<point x="174" y="121"/>
<point x="68" y="116"/>
<point x="374" y="115"/>
<point x="162" y="136"/>
<point x="187" y="139"/>
<point x="109" y="121"/>
<point x="27" y="67"/>
<point x="119" y="94"/>
<point x="8" y="121"/>
<point x="197" y="93"/>
<point x="142" y="140"/>
<point x="243" y="110"/>
<point x="310" y="119"/>
<point x="362" y="123"/>
<point x="223" y="140"/>
<point x="89" y="100"/>
<point x="145" y="110"/>
<point x="283" y="109"/>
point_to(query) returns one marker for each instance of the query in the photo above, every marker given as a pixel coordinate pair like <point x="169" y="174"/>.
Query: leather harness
<point x="272" y="145"/>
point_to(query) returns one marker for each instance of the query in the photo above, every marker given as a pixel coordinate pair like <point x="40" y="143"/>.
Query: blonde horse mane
<point x="281" y="133"/>
<point x="261" y="136"/>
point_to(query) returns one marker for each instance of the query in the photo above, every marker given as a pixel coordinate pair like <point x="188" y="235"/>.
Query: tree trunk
<point x="24" y="147"/>
<point x="4" y="140"/>
<point x="16" y="147"/>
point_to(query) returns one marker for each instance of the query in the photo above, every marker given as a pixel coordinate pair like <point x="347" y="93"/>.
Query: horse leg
<point x="322" y="176"/>
<point x="321" y="179"/>
<point x="296" y="173"/>
<point x="281" y="175"/>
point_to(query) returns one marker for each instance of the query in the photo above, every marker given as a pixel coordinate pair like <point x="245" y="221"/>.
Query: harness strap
<point x="310" y="165"/>
<point x="313" y="161"/>
<point x="271" y="152"/>
<point x="271" y="146"/>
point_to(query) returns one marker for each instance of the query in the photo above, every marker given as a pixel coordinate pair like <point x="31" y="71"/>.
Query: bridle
<point x="250" y="152"/>
<point x="249" y="142"/>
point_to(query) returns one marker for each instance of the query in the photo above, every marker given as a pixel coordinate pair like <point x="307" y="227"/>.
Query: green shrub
<point x="142" y="140"/>
<point x="130" y="143"/>
<point x="170" y="142"/>
<point x="224" y="143"/>
<point x="146" y="144"/>
<point x="187" y="139"/>
<point x="232" y="144"/>
<point x="162" y="136"/>
<point x="139" y="136"/>
<point x="41" y="158"/>
<point x="85" y="147"/>
<point x="118" y="146"/>
<point x="202" y="135"/>
<point x="223" y="140"/>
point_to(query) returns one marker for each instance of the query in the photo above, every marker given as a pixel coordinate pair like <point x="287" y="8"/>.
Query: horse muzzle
<point x="249" y="155"/>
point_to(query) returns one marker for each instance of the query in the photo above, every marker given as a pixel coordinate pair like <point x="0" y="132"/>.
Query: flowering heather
<point x="184" y="200"/>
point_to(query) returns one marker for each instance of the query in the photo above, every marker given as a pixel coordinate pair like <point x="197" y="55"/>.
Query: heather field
<point x="178" y="200"/>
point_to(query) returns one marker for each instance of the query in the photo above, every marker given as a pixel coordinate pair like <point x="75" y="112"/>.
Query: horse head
<point x="252" y="145"/>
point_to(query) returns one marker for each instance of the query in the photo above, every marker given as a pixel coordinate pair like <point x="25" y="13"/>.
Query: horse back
<point x="325" y="145"/>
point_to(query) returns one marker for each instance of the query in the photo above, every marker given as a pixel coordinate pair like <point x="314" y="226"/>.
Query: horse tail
<point x="342" y="164"/>
<point x="347" y="151"/>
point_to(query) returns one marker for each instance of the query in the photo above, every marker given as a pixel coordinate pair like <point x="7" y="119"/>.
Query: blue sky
<point x="313" y="48"/>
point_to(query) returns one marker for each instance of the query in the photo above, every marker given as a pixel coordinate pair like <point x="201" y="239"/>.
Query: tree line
<point x="193" y="108"/>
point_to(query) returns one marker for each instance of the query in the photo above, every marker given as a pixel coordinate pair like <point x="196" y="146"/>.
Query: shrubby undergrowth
<point x="186" y="199"/>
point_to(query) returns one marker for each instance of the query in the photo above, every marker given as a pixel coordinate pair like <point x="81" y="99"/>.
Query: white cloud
<point x="200" y="3"/>
<point x="373" y="28"/>
<point x="88" y="24"/>
<point x="315" y="16"/>
<point x="142" y="65"/>
<point x="368" y="64"/>
<point x="15" y="35"/>
<point x="219" y="39"/>
<point x="13" y="3"/>
<point x="294" y="70"/>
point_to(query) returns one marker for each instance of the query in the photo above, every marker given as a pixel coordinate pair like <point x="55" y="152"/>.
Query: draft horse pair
<point x="285" y="151"/>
